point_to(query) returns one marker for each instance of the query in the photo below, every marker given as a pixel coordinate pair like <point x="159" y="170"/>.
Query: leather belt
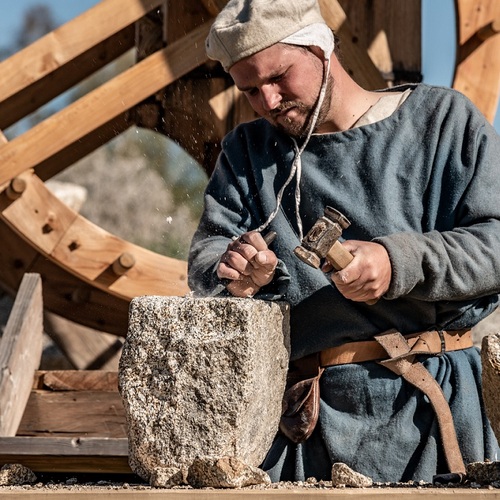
<point x="402" y="361"/>
<point x="398" y="353"/>
<point x="430" y="342"/>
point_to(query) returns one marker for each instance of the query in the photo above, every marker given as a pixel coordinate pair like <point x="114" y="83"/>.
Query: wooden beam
<point x="73" y="413"/>
<point x="354" y="58"/>
<point x="390" y="32"/>
<point x="103" y="104"/>
<point x="84" y="146"/>
<point x="20" y="353"/>
<point x="477" y="70"/>
<point x="51" y="53"/>
<point x="43" y="89"/>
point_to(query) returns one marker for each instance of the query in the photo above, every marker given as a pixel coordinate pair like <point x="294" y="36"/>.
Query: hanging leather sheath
<point x="301" y="408"/>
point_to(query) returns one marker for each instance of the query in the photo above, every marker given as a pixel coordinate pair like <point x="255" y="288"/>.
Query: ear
<point x="318" y="52"/>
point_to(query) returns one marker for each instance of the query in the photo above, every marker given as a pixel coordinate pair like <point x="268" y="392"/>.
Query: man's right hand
<point x="248" y="264"/>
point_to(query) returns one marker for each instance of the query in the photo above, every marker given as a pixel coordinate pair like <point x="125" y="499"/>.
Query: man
<point x="415" y="170"/>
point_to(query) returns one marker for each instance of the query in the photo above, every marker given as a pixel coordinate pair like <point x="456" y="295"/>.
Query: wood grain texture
<point x="20" y="352"/>
<point x="66" y="55"/>
<point x="477" y="71"/>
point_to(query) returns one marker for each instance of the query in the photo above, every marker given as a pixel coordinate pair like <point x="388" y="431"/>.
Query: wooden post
<point x="20" y="353"/>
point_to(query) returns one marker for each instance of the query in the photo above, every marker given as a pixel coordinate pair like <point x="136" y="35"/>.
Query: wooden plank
<point x="146" y="493"/>
<point x="67" y="454"/>
<point x="20" y="353"/>
<point x="477" y="71"/>
<point x="38" y="215"/>
<point x="103" y="104"/>
<point x="71" y="41"/>
<point x="73" y="413"/>
<point x="45" y="88"/>
<point x="69" y="464"/>
<point x="77" y="380"/>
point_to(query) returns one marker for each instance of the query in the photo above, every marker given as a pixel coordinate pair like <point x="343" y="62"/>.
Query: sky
<point x="438" y="31"/>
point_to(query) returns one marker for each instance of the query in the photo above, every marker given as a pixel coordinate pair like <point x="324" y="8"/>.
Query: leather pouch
<point x="301" y="409"/>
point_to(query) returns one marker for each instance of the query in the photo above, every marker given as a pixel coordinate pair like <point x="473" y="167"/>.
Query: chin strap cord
<point x="296" y="169"/>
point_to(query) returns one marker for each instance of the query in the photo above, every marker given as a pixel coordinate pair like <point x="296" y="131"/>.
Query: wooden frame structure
<point x="90" y="275"/>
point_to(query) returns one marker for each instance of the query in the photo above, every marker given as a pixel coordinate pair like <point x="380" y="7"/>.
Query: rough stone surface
<point x="343" y="475"/>
<point x="483" y="472"/>
<point x="168" y="477"/>
<point x="490" y="357"/>
<point x="202" y="378"/>
<point x="16" y="474"/>
<point x="225" y="472"/>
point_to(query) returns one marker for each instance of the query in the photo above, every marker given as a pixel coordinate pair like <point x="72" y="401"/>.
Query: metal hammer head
<point x="321" y="237"/>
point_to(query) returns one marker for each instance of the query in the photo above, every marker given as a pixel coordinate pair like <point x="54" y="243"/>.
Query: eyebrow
<point x="270" y="77"/>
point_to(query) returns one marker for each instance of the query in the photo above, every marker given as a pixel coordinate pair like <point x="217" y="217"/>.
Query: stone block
<point x="490" y="358"/>
<point x="202" y="378"/>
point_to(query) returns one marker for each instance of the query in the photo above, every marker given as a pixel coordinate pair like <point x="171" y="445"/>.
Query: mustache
<point x="285" y="106"/>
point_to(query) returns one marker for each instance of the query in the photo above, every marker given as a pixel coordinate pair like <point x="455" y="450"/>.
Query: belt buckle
<point x="443" y="342"/>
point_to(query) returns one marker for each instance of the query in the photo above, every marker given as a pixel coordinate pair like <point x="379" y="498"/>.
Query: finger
<point x="234" y="264"/>
<point x="243" y="248"/>
<point x="265" y="259"/>
<point x="255" y="239"/>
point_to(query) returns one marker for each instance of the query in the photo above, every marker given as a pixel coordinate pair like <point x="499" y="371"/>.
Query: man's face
<point x="282" y="84"/>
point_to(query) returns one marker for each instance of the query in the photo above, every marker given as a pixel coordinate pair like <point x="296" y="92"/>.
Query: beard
<point x="298" y="126"/>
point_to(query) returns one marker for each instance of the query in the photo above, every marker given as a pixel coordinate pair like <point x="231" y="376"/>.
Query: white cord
<point x="296" y="169"/>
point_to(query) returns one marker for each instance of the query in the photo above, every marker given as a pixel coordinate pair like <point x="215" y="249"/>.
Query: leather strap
<point x="402" y="362"/>
<point x="431" y="342"/>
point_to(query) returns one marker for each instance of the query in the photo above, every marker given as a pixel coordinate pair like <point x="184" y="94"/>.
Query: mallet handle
<point x="338" y="256"/>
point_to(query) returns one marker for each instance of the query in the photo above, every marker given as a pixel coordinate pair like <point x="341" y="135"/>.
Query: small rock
<point x="167" y="477"/>
<point x="16" y="474"/>
<point x="343" y="475"/>
<point x="483" y="472"/>
<point x="226" y="472"/>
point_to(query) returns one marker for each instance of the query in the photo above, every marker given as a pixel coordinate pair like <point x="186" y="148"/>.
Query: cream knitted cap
<point x="245" y="27"/>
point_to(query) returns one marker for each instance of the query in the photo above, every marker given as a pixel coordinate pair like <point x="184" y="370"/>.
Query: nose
<point x="270" y="97"/>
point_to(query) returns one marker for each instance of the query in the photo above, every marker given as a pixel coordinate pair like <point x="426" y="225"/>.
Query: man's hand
<point x="367" y="276"/>
<point x="248" y="264"/>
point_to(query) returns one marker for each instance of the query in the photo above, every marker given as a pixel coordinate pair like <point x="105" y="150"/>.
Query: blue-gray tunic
<point x="425" y="184"/>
